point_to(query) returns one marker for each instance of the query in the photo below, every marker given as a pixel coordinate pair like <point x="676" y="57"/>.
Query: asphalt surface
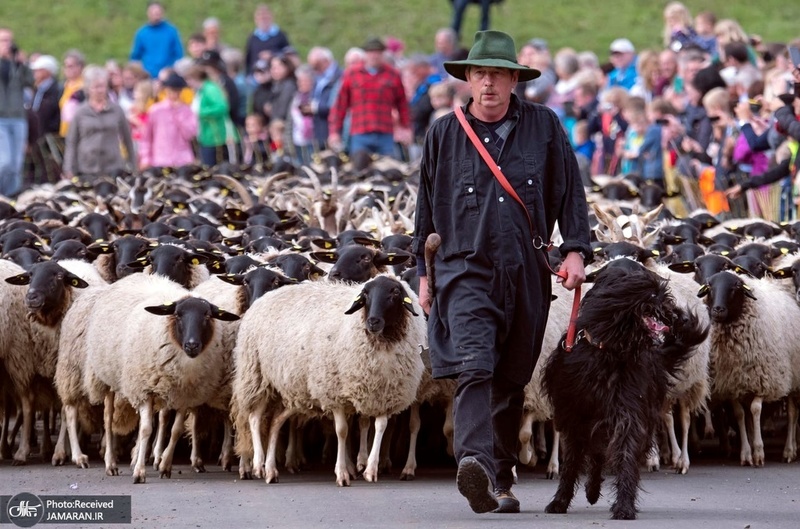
<point x="714" y="494"/>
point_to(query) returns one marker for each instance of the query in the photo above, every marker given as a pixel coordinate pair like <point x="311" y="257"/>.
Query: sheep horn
<point x="268" y="185"/>
<point x="237" y="186"/>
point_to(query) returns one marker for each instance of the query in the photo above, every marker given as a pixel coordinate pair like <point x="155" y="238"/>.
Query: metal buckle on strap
<point x="580" y="335"/>
<point x="538" y="242"/>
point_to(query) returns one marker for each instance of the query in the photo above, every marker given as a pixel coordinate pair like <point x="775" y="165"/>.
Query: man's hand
<point x="424" y="299"/>
<point x="573" y="268"/>
<point x="335" y="141"/>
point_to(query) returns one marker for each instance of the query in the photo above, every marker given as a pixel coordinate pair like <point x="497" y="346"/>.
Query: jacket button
<point x="469" y="190"/>
<point x="485" y="140"/>
<point x="530" y="182"/>
<point x="501" y="199"/>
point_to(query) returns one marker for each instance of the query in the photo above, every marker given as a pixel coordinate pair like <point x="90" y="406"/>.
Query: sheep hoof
<point x="139" y="478"/>
<point x="226" y="463"/>
<point x="166" y="474"/>
<point x="112" y="471"/>
<point x="245" y="475"/>
<point x="271" y="476"/>
<point x="18" y="462"/>
<point x="59" y="458"/>
<point x="82" y="461"/>
<point x="292" y="469"/>
<point x="407" y="475"/>
<point x="199" y="468"/>
<point x="343" y="482"/>
<point x="360" y="467"/>
<point x="789" y="455"/>
<point x="258" y="472"/>
<point x="371" y="475"/>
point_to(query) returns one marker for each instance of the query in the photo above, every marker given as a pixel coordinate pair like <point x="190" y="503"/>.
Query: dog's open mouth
<point x="656" y="328"/>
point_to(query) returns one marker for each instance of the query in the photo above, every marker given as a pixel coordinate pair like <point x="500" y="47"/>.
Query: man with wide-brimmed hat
<point x="370" y="92"/>
<point x="492" y="286"/>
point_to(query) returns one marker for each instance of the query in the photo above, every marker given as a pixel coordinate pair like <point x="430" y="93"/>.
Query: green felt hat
<point x="493" y="49"/>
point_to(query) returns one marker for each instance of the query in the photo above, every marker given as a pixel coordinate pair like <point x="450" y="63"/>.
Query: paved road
<point x="713" y="495"/>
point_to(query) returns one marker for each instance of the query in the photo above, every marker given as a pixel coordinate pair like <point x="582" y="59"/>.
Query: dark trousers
<point x="487" y="413"/>
<point x="458" y="13"/>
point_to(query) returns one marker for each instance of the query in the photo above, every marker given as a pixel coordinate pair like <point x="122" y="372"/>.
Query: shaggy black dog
<point x="608" y="392"/>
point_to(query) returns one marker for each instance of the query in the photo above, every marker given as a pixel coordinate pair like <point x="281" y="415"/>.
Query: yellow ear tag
<point x="656" y="252"/>
<point x="224" y="192"/>
<point x="784" y="251"/>
<point x="176" y="210"/>
<point x="407" y="300"/>
<point x="328" y="245"/>
<point x="746" y="287"/>
<point x="195" y="262"/>
<point x="37" y="243"/>
<point x="75" y="180"/>
<point x="724" y="252"/>
<point x="231" y="227"/>
<point x="98" y="240"/>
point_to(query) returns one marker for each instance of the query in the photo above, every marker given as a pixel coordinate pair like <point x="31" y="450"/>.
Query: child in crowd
<point x="256" y="148"/>
<point x="584" y="149"/>
<point x="612" y="126"/>
<point x="137" y="115"/>
<point x="635" y="113"/>
<point x="441" y="95"/>
<point x="704" y="24"/>
<point x="302" y="117"/>
<point x="170" y="128"/>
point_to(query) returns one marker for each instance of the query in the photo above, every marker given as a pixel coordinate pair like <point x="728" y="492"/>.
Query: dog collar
<point x="583" y="334"/>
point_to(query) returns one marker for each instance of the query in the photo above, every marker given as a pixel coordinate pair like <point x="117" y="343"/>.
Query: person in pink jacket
<point x="171" y="126"/>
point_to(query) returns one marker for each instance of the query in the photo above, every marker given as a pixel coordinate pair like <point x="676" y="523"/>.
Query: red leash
<point x="540" y="244"/>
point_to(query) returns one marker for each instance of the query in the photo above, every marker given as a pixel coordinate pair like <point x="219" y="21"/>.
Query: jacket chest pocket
<point x="533" y="162"/>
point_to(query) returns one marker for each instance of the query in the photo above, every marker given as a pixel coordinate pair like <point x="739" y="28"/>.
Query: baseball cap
<point x="621" y="46"/>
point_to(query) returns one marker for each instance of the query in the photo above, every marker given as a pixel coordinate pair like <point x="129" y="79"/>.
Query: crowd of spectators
<point x="703" y="105"/>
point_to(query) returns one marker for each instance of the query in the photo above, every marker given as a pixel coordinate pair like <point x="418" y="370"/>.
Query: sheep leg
<point x="226" y="453"/>
<point x="449" y="428"/>
<point x="541" y="440"/>
<point x="145" y="429"/>
<point x="5" y="448"/>
<point x="60" y="452"/>
<point x="790" y="449"/>
<point x="165" y="468"/>
<point x="385" y="462"/>
<point x="195" y="457"/>
<point x="161" y="435"/>
<point x="24" y="450"/>
<point x="341" y="471"/>
<point x="708" y="429"/>
<point x="110" y="455"/>
<point x="746" y="455"/>
<point x="526" y="453"/>
<point x="17" y="424"/>
<point x="552" y="465"/>
<point x="414" y="424"/>
<point x="70" y="416"/>
<point x="758" y="442"/>
<point x="674" y="448"/>
<point x="47" y="440"/>
<point x="254" y="420"/>
<point x="363" y="428"/>
<point x="371" y="472"/>
<point x="682" y="465"/>
<point x="292" y="460"/>
<point x="271" y="466"/>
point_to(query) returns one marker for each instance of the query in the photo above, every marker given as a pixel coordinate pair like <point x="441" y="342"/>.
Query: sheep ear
<point x="197" y="259"/>
<point x="748" y="292"/>
<point x="75" y="281"/>
<point x="222" y="315"/>
<point x="591" y="277"/>
<point x="329" y="257"/>
<point x="366" y="241"/>
<point x="741" y="270"/>
<point x="139" y="263"/>
<point x="231" y="279"/>
<point x="703" y="291"/>
<point x="782" y="273"/>
<point x="409" y="305"/>
<point x="216" y="267"/>
<point x="161" y="310"/>
<point x="324" y="242"/>
<point x="685" y="267"/>
<point x="19" y="280"/>
<point x="100" y="247"/>
<point x="392" y="258"/>
<point x="358" y="303"/>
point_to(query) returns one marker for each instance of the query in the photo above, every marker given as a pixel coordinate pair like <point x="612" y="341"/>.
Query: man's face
<point x="72" y="68"/>
<point x="374" y="58"/>
<point x="621" y="60"/>
<point x="6" y="38"/>
<point x="443" y="44"/>
<point x="491" y="87"/>
<point x="263" y="19"/>
<point x="40" y="75"/>
<point x="155" y="13"/>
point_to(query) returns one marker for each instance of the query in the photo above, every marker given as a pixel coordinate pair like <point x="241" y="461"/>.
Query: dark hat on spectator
<point x="374" y="44"/>
<point x="492" y="49"/>
<point x="211" y="58"/>
<point x="707" y="79"/>
<point x="174" y="81"/>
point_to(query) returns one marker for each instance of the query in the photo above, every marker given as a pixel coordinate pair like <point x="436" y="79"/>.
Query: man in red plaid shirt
<point x="370" y="92"/>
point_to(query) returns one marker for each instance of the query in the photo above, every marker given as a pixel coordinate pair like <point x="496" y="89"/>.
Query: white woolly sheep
<point x="301" y="349"/>
<point x="173" y="363"/>
<point x="747" y="315"/>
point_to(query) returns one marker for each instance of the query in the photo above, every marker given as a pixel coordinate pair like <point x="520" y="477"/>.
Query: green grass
<point x="104" y="28"/>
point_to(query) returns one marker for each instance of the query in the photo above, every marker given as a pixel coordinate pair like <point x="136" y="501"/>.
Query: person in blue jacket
<point x="157" y="44"/>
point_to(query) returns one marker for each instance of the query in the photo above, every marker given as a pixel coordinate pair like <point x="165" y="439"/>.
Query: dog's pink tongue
<point x="656" y="326"/>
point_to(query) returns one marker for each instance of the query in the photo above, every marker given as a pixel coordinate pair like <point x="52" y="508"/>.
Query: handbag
<point x="540" y="244"/>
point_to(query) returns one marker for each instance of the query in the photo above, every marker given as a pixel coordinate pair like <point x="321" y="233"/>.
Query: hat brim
<point x="458" y="69"/>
